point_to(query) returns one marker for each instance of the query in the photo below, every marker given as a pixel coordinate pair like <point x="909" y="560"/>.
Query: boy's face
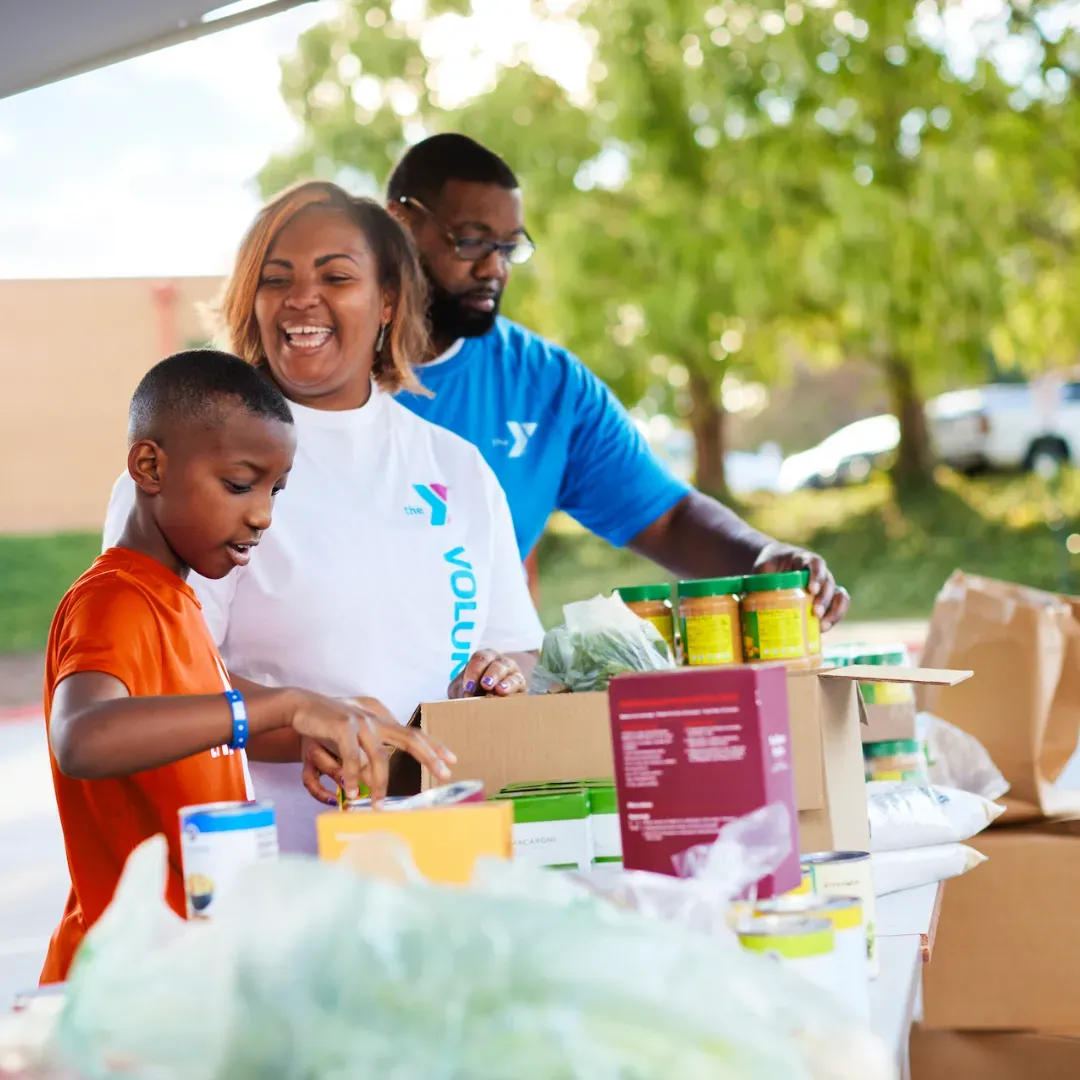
<point x="213" y="486"/>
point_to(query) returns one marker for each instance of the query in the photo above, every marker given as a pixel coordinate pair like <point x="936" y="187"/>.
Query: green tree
<point x="734" y="184"/>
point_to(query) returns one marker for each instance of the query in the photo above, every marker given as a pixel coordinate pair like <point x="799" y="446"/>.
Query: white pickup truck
<point x="1007" y="426"/>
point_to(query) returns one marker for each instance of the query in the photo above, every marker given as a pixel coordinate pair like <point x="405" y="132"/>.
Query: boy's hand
<point x="354" y="743"/>
<point x="488" y="672"/>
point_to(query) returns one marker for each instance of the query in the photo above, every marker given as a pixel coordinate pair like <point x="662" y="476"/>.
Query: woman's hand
<point x="488" y="673"/>
<point x="348" y="742"/>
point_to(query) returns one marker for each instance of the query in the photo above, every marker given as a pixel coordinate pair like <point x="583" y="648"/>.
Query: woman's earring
<point x="380" y="341"/>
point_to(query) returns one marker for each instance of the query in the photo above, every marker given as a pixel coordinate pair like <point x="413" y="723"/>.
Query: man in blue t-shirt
<point x="554" y="434"/>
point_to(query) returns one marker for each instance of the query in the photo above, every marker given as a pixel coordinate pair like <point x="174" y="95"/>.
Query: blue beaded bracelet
<point x="239" y="719"/>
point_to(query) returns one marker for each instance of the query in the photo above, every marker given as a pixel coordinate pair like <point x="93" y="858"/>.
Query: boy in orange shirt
<point x="141" y="713"/>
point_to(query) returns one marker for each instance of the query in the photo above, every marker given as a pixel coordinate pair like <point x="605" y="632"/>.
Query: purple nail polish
<point x="503" y="685"/>
<point x="470" y="686"/>
<point x="488" y="681"/>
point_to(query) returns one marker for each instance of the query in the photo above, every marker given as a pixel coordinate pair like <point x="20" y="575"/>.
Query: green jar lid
<point x="717" y="586"/>
<point x="635" y="593"/>
<point x="895" y="746"/>
<point x="771" y="582"/>
<point x="882" y="656"/>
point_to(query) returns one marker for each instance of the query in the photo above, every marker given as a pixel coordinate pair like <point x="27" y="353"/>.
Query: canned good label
<point x="883" y="693"/>
<point x="893" y="774"/>
<point x="665" y="627"/>
<point x="790" y="946"/>
<point x="845" y="874"/>
<point x="708" y="639"/>
<point x="774" y="635"/>
<point x="216" y="843"/>
<point x="805" y="886"/>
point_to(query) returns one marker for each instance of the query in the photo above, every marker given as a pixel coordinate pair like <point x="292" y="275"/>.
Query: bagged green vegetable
<point x="600" y="638"/>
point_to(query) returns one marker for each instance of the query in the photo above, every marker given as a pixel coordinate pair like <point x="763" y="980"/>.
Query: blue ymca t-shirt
<point x="554" y="434"/>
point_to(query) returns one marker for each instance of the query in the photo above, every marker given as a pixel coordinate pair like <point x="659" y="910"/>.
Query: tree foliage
<point x="720" y="187"/>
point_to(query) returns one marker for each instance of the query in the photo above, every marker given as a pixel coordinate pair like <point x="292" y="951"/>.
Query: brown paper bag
<point x="1023" y="704"/>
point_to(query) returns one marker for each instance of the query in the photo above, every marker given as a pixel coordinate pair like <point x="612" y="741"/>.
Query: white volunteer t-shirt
<point x="391" y="559"/>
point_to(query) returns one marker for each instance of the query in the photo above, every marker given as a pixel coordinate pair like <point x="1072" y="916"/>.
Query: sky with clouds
<point x="146" y="167"/>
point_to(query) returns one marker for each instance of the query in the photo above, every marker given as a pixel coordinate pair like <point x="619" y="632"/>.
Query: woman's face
<point x="319" y="307"/>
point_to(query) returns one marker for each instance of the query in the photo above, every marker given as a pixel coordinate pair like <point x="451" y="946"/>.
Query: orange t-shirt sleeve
<point x="109" y="627"/>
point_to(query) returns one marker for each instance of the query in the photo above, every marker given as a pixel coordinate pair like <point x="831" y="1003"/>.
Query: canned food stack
<point x="824" y="930"/>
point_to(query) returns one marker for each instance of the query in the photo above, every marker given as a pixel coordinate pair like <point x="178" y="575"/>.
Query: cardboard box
<point x="445" y="842"/>
<point x="694" y="750"/>
<point x="535" y="738"/>
<point x="1007" y="954"/>
<point x="957" y="1055"/>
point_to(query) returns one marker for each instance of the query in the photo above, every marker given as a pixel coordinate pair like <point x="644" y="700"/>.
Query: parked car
<point x="848" y="456"/>
<point x="747" y="472"/>
<point x="1007" y="426"/>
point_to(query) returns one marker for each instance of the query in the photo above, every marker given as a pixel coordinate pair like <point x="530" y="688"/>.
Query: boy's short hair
<point x="192" y="387"/>
<point x="426" y="168"/>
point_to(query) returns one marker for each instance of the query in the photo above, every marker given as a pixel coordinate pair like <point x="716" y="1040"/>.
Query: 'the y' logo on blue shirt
<point x="522" y="433"/>
<point x="436" y="497"/>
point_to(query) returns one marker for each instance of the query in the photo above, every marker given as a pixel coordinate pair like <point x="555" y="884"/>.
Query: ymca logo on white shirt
<point x="522" y="431"/>
<point x="436" y="498"/>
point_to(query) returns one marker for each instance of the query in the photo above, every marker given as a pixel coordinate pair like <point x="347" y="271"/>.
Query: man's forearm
<point x="700" y="537"/>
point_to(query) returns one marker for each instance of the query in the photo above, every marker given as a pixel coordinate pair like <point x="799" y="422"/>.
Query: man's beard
<point x="449" y="319"/>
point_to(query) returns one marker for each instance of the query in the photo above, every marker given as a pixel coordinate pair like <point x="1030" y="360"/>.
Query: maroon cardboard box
<point x="695" y="749"/>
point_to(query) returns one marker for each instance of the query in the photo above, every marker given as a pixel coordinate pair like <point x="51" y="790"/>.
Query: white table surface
<point x="905" y="922"/>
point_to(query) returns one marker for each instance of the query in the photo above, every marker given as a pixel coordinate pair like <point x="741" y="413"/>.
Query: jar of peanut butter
<point x="653" y="604"/>
<point x="774" y="619"/>
<point x="813" y="623"/>
<point x="709" y="621"/>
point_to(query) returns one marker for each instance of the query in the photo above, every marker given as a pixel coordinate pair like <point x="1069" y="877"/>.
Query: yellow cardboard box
<point x="445" y="841"/>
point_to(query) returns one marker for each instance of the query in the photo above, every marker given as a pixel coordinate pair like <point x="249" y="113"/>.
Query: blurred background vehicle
<point x="1007" y="427"/>
<point x="848" y="456"/>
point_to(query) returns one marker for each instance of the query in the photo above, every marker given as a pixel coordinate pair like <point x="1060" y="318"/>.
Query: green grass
<point x="892" y="553"/>
<point x="35" y="572"/>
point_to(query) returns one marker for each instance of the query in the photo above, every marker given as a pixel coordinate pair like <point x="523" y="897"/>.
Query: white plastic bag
<point x="958" y="760"/>
<point x="710" y="876"/>
<point x="897" y="870"/>
<point x="906" y="815"/>
<point x="600" y="638"/>
<point x="311" y="970"/>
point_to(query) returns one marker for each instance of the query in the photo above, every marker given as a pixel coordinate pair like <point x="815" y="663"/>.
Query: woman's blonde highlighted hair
<point x="399" y="272"/>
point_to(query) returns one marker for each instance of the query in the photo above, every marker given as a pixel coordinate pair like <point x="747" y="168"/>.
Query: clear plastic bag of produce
<point x="906" y="815"/>
<point x="599" y="639"/>
<point x="311" y="970"/>
<point x="958" y="760"/>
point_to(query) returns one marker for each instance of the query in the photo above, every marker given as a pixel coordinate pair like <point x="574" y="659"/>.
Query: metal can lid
<point x="790" y="935"/>
<point x="817" y="858"/>
<point x="844" y="912"/>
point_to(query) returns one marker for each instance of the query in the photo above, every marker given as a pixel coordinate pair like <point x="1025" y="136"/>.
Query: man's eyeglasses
<point x="475" y="248"/>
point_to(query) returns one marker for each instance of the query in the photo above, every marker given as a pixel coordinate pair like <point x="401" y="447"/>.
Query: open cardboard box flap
<point x="882" y="721"/>
<point x="554" y="737"/>
<point x="909" y="676"/>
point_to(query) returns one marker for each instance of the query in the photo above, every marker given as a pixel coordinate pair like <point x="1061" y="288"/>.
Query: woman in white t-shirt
<point x="391" y="572"/>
